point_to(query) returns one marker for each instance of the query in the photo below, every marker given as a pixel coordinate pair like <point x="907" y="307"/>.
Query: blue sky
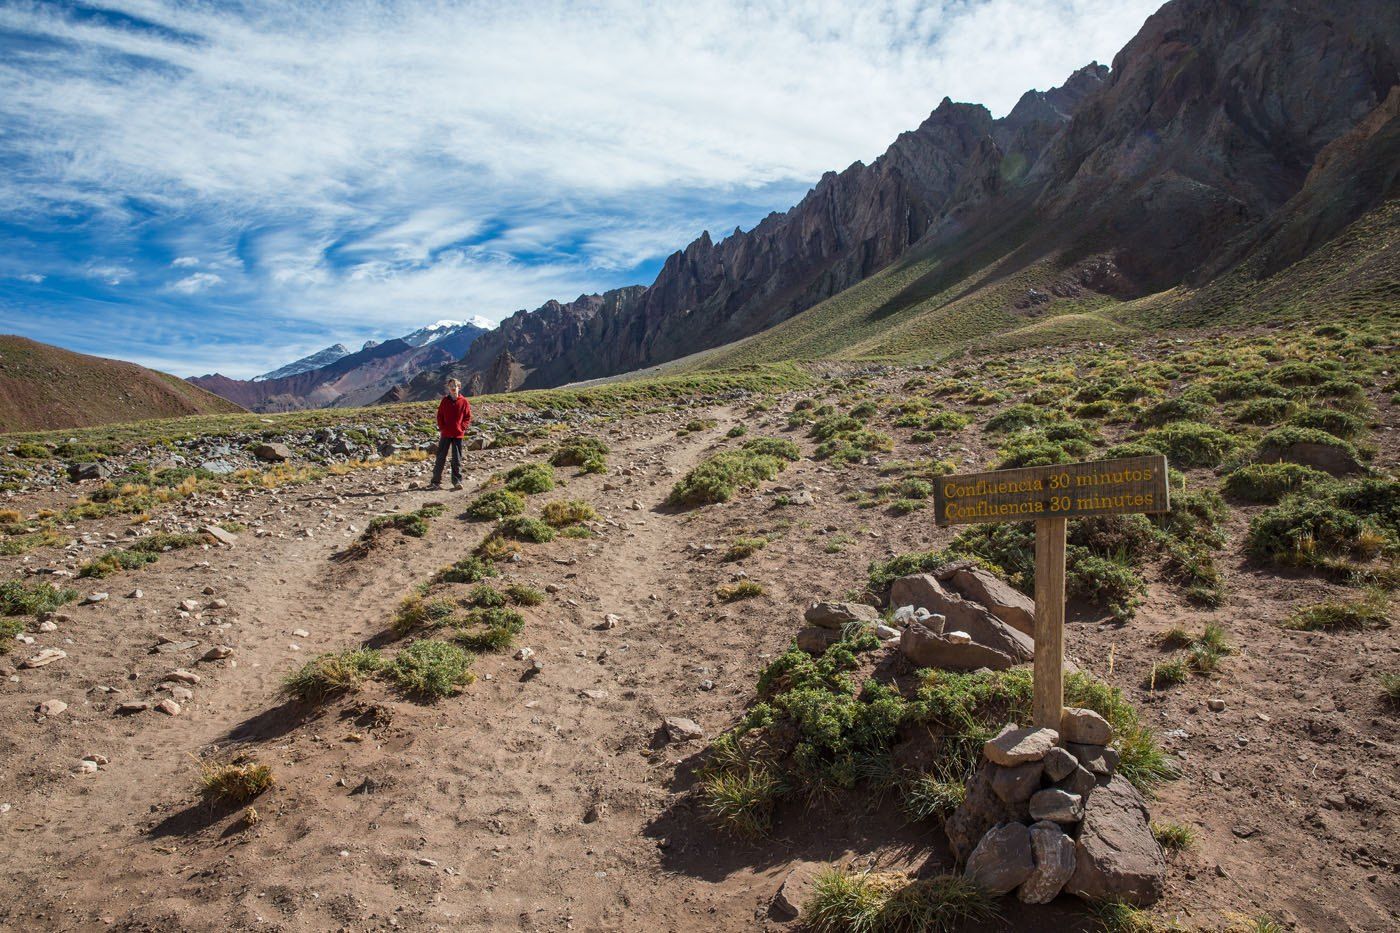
<point x="226" y="186"/>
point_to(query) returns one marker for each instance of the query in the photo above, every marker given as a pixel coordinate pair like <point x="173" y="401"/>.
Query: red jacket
<point x="454" y="416"/>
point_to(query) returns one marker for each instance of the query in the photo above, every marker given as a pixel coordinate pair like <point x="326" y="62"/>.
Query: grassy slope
<point x="915" y="310"/>
<point x="47" y="387"/>
<point x="638" y="394"/>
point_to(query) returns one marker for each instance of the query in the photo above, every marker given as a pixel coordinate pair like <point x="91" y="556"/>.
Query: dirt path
<point x="552" y="802"/>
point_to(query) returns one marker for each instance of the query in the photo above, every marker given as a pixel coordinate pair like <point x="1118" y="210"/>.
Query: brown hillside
<point x="47" y="387"/>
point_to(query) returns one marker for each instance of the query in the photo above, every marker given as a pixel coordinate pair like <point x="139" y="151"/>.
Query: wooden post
<point x="1049" y="691"/>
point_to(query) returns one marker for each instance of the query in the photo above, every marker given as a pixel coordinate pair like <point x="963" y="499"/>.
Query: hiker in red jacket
<point x="454" y="416"/>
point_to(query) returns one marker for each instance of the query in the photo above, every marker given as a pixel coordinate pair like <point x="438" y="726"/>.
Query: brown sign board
<point x="1064" y="490"/>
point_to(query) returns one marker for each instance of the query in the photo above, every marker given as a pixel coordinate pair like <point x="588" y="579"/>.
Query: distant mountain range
<point x="337" y="377"/>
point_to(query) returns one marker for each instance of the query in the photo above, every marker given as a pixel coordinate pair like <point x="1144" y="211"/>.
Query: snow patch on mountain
<point x="307" y="363"/>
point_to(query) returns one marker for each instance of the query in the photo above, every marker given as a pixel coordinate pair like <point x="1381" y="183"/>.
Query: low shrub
<point x="1300" y="530"/>
<point x="579" y="451"/>
<point x="489" y="629"/>
<point x="494" y="505"/>
<point x="1175" y="409"/>
<point x="845" y="901"/>
<point x="19" y="599"/>
<point x="524" y="528"/>
<point x="1191" y="443"/>
<point x="431" y="669"/>
<point x="719" y="477"/>
<point x="740" y="548"/>
<point x="414" y="524"/>
<point x="530" y="478"/>
<point x="571" y="512"/>
<point x="235" y="782"/>
<point x="1275" y="444"/>
<point x="523" y="595"/>
<point x="417" y="612"/>
<point x="778" y="447"/>
<point x="485" y="596"/>
<point x="1015" y="418"/>
<point x="946" y="421"/>
<point x="469" y="569"/>
<point x="1390" y="687"/>
<point x="744" y="589"/>
<point x="1264" y="411"/>
<point x="740" y="799"/>
<point x="10" y="626"/>
<point x="332" y="674"/>
<point x="1270" y="482"/>
<point x="1349" y="615"/>
<point x="1340" y="424"/>
<point x="115" y="561"/>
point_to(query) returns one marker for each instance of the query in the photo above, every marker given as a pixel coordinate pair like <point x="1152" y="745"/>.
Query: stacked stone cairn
<point x="1046" y="812"/>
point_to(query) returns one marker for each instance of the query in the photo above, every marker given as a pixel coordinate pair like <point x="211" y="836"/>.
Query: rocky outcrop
<point x="968" y="636"/>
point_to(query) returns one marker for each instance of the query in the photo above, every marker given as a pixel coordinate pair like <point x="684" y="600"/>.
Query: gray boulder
<point x="815" y="640"/>
<point x="1324" y="457"/>
<point x="273" y="453"/>
<point x="924" y="591"/>
<point x="1006" y="602"/>
<point x="1002" y="860"/>
<point x="839" y="615"/>
<point x="1054" y="864"/>
<point x="1080" y="781"/>
<point x="1116" y="856"/>
<point x="933" y="649"/>
<point x="218" y="467"/>
<point x="980" y="810"/>
<point x="77" y="472"/>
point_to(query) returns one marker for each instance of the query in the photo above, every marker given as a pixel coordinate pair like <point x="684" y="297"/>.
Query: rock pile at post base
<point x="1046" y="812"/>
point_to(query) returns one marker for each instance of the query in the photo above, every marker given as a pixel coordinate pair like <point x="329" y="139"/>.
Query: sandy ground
<point x="528" y="804"/>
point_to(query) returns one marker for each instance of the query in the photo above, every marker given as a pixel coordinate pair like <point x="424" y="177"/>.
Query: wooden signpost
<point x="1048" y="495"/>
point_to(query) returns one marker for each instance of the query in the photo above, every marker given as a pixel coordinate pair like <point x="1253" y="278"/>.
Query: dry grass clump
<point x="234" y="782"/>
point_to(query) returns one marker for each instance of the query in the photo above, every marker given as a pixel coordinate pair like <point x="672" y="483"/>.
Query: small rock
<point x="300" y="633"/>
<point x="1080" y="781"/>
<point x="189" y="605"/>
<point x="217" y="653"/>
<point x="610" y="621"/>
<point x="227" y="538"/>
<point x="133" y="706"/>
<point x="1057" y="806"/>
<point x="958" y="638"/>
<point x="52" y="707"/>
<point x="1097" y="758"/>
<point x="1059" y="764"/>
<point x="815" y="640"/>
<point x="168" y="707"/>
<point x="45" y="657"/>
<point x="1014" y="746"/>
<point x="1002" y="860"/>
<point x="795" y="890"/>
<point x="1084" y="726"/>
<point x="136" y="594"/>
<point x="525" y="654"/>
<point x="1215" y="705"/>
<point x="1017" y="784"/>
<point x="99" y="760"/>
<point x="86" y="767"/>
<point x="91" y="598"/>
<point x="839" y="615"/>
<point x="183" y="676"/>
<point x="431" y="863"/>
<point x="680" y="729"/>
<point x="1054" y="864"/>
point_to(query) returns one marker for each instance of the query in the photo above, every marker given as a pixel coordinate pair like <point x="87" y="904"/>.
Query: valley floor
<point x="555" y="801"/>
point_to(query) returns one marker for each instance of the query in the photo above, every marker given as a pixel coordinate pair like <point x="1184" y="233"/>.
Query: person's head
<point x="453" y="388"/>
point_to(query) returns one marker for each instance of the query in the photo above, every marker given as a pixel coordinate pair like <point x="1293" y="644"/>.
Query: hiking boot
<point x="434" y="487"/>
<point x="456" y="487"/>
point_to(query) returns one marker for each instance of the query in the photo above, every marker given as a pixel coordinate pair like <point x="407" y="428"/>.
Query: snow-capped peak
<point x="482" y="322"/>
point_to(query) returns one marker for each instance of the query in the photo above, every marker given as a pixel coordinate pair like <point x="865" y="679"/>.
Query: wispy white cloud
<point x="390" y="163"/>
<point x="198" y="282"/>
<point x="33" y="278"/>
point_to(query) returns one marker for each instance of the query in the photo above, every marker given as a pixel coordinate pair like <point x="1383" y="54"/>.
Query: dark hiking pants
<point x="445" y="444"/>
